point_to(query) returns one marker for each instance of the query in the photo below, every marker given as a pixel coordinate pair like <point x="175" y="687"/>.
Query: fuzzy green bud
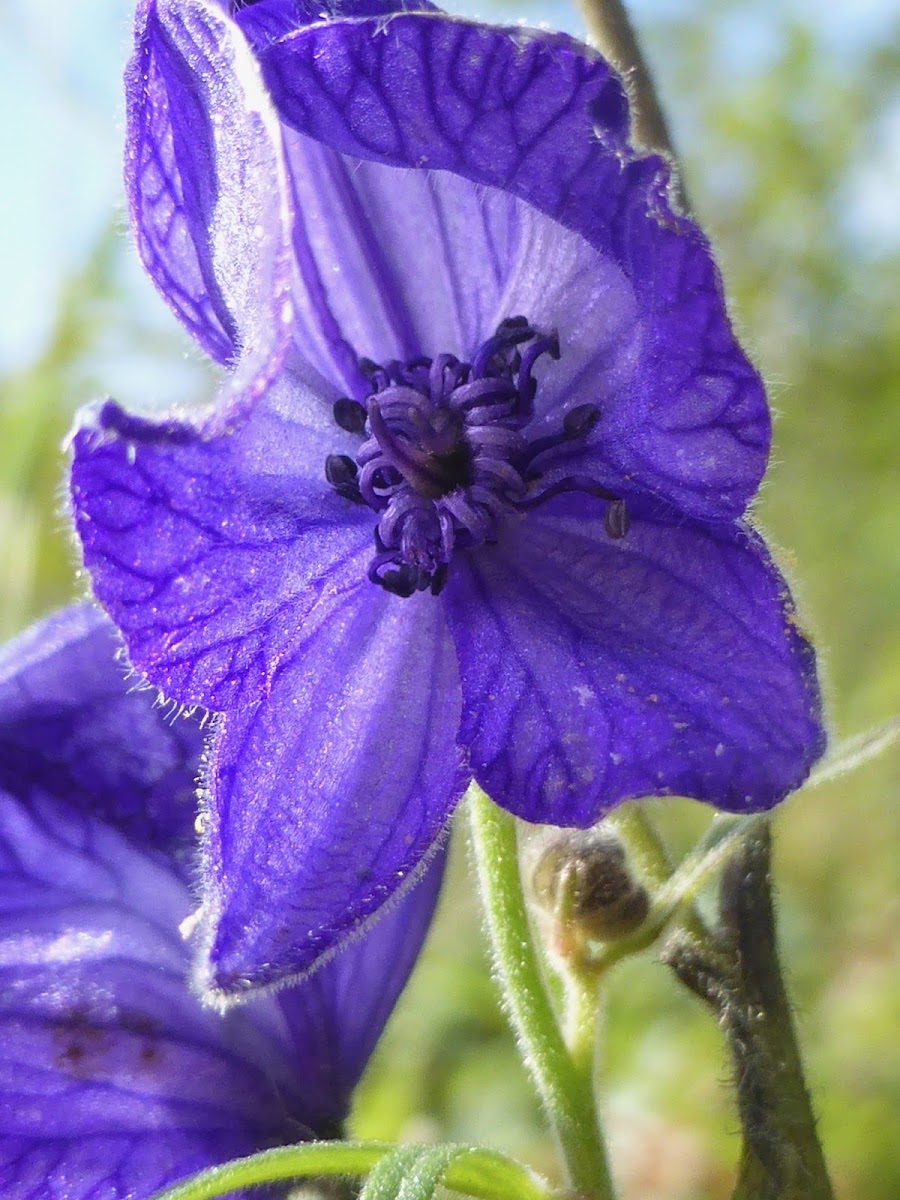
<point x="583" y="878"/>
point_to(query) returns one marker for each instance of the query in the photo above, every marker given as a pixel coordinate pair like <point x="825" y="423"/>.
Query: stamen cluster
<point x="446" y="457"/>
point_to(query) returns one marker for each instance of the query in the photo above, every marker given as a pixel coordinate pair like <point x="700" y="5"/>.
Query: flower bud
<point x="583" y="877"/>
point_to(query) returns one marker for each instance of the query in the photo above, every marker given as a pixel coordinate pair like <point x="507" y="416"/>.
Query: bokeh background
<point x="787" y="117"/>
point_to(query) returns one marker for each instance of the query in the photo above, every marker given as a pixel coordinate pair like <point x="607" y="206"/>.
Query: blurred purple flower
<point x="114" y="1080"/>
<point x="472" y="354"/>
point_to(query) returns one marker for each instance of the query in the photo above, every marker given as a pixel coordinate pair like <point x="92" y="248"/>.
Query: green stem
<point x="855" y="752"/>
<point x="581" y="1021"/>
<point x="566" y="1090"/>
<point x="482" y="1174"/>
<point x="675" y="895"/>
<point x="720" y="842"/>
<point x="639" y="834"/>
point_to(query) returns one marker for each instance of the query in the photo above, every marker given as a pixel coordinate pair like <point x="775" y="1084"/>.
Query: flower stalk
<point x="674" y="896"/>
<point x="645" y="845"/>
<point x="564" y="1083"/>
<point x="737" y="973"/>
<point x="610" y="30"/>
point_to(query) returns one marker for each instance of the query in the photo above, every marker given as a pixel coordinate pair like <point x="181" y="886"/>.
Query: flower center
<point x="446" y="457"/>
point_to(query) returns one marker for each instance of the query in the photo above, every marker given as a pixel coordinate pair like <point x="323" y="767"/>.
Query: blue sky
<point x="60" y="141"/>
<point x="60" y="146"/>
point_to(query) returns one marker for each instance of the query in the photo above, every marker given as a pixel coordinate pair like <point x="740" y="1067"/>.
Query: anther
<point x="439" y="579"/>
<point x="340" y="469"/>
<point x="401" y="580"/>
<point x="576" y="424"/>
<point x="617" y="521"/>
<point x="349" y="415"/>
<point x="510" y="333"/>
<point x="512" y="325"/>
<point x="378" y="376"/>
<point x="579" y="421"/>
<point x="341" y="472"/>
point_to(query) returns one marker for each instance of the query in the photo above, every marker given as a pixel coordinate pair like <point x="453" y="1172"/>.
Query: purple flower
<point x="470" y="503"/>
<point x="114" y="1080"/>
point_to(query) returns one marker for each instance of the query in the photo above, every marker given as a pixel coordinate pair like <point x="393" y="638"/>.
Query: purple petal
<point x="265" y="21"/>
<point x="220" y="564"/>
<point x="328" y="794"/>
<point x="341" y="1010"/>
<point x="207" y="552"/>
<point x="113" y="1079"/>
<point x="670" y="661"/>
<point x="71" y="727"/>
<point x="543" y="118"/>
<point x="206" y="184"/>
<point x="376" y="298"/>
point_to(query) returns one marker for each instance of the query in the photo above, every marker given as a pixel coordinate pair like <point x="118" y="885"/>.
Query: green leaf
<point x="309" y="1159"/>
<point x="473" y="1171"/>
<point x="410" y="1173"/>
<point x="386" y="1180"/>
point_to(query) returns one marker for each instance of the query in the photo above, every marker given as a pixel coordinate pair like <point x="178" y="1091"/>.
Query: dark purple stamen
<point x="439" y="579"/>
<point x="577" y="424"/>
<point x="399" y="580"/>
<point x="573" y="483"/>
<point x="617" y="521"/>
<point x="341" y="472"/>
<point x="447" y="457"/>
<point x="350" y="416"/>
<point x="579" y="421"/>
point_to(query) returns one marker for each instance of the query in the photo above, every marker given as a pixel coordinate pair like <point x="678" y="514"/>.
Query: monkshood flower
<point x="471" y="500"/>
<point x="114" y="1080"/>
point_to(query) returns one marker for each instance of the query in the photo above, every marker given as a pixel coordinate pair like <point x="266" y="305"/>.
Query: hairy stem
<point x="611" y="31"/>
<point x="738" y="975"/>
<point x="634" y="826"/>
<point x="565" y="1088"/>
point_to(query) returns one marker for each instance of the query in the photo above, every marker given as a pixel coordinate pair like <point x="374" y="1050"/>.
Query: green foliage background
<point x="772" y="144"/>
